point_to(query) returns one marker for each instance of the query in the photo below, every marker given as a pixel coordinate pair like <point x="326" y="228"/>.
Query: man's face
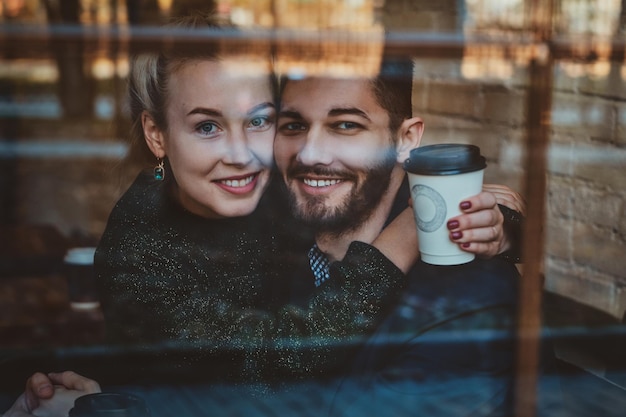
<point x="335" y="151"/>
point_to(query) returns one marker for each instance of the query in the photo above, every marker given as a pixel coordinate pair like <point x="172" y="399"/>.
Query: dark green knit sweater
<point x="165" y="274"/>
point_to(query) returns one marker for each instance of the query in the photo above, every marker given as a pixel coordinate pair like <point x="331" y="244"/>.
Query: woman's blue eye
<point x="260" y="122"/>
<point x="208" y="128"/>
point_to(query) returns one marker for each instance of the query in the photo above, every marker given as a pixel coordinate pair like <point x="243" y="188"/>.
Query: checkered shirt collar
<point x="320" y="265"/>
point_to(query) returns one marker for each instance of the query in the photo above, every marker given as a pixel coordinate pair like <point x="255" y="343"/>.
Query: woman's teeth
<point x="238" y="183"/>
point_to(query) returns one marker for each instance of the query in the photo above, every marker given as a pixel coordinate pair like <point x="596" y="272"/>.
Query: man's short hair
<point x="393" y="89"/>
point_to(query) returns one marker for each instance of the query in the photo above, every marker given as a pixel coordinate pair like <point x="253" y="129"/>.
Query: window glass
<point x="192" y="195"/>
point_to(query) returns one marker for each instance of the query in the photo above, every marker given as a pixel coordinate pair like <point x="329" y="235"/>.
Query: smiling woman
<point x="217" y="137"/>
<point x="171" y="242"/>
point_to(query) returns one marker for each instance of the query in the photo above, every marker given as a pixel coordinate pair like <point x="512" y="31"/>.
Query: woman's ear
<point x="409" y="137"/>
<point x="153" y="135"/>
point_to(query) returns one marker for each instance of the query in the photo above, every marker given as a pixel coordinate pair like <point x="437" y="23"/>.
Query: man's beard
<point x="355" y="208"/>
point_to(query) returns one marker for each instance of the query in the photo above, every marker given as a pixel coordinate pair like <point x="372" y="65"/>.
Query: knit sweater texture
<point x="166" y="275"/>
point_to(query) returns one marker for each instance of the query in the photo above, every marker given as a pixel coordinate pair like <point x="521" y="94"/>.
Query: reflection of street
<point x="76" y="148"/>
<point x="194" y="389"/>
<point x="311" y="398"/>
<point x="47" y="106"/>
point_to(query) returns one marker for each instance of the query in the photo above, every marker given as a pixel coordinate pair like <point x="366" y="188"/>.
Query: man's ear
<point x="153" y="135"/>
<point x="409" y="137"/>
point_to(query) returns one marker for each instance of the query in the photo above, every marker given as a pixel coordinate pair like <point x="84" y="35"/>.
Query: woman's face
<point x="219" y="141"/>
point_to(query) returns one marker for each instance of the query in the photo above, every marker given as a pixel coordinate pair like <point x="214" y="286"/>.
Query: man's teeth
<point x="238" y="183"/>
<point x="320" y="183"/>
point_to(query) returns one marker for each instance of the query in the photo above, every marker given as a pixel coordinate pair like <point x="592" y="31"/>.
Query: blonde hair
<point x="149" y="76"/>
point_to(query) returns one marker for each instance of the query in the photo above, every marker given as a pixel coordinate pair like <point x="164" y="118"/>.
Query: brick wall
<point x="586" y="212"/>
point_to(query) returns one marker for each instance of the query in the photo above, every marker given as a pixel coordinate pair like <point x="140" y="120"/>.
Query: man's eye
<point x="347" y="125"/>
<point x="292" y="127"/>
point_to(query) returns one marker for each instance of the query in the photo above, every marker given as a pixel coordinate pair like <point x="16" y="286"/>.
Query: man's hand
<point x="480" y="229"/>
<point x="51" y="395"/>
<point x="507" y="197"/>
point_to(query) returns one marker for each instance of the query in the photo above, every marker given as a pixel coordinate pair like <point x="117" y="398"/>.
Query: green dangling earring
<point x="159" y="170"/>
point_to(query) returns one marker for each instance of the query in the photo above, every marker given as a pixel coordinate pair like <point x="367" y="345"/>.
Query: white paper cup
<point x="440" y="177"/>
<point x="81" y="281"/>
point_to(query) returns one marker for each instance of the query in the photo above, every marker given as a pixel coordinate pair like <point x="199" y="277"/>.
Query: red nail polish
<point x="465" y="205"/>
<point x="452" y="224"/>
<point x="457" y="235"/>
<point x="465" y="245"/>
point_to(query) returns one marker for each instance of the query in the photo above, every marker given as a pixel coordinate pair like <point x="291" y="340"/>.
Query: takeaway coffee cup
<point x="440" y="177"/>
<point x="81" y="281"/>
<point x="109" y="404"/>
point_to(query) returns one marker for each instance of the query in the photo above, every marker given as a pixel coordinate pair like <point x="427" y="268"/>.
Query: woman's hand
<point x="51" y="395"/>
<point x="480" y="228"/>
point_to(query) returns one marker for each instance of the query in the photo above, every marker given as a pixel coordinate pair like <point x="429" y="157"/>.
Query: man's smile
<point x="318" y="179"/>
<point x="315" y="184"/>
<point x="320" y="183"/>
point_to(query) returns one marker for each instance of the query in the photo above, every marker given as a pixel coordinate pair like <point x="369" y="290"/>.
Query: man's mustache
<point x="299" y="170"/>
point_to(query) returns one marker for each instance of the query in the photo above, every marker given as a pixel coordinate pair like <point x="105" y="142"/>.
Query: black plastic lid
<point x="109" y="404"/>
<point x="445" y="159"/>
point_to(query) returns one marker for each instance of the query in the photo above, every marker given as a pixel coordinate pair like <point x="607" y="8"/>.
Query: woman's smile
<point x="240" y="184"/>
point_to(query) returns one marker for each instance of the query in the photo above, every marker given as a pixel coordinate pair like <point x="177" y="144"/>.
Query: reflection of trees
<point x="615" y="75"/>
<point x="142" y="12"/>
<point x="75" y="89"/>
<point x="147" y="12"/>
<point x="185" y="7"/>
